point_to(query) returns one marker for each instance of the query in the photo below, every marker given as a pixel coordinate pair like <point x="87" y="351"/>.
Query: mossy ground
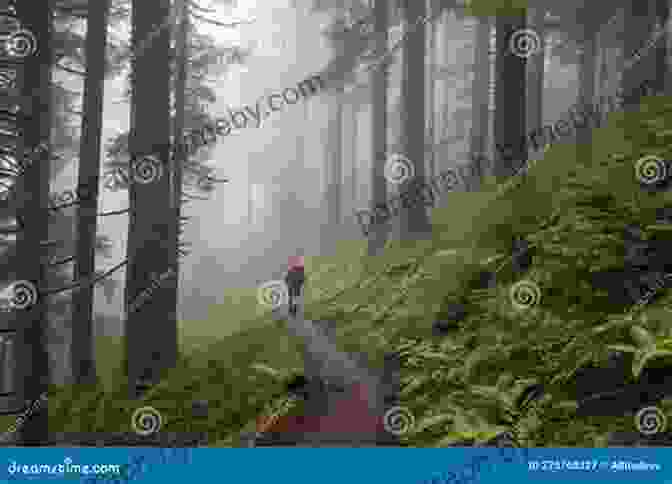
<point x="573" y="207"/>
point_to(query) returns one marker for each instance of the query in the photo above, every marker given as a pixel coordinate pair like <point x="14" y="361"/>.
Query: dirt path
<point x="324" y="360"/>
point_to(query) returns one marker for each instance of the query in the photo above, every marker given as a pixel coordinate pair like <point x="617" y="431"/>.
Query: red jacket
<point x="295" y="262"/>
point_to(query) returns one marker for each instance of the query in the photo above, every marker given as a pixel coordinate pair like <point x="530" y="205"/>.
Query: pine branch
<point x="222" y="24"/>
<point x="117" y="212"/>
<point x="70" y="70"/>
<point x="51" y="292"/>
<point x="65" y="205"/>
<point x="62" y="261"/>
<point x="196" y="6"/>
<point x="192" y="197"/>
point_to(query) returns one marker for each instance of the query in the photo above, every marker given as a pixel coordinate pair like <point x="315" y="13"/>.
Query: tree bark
<point x="151" y="343"/>
<point x="82" y="351"/>
<point x="32" y="358"/>
<point x="179" y="156"/>
<point x="535" y="72"/>
<point x="354" y="167"/>
<point x="510" y="82"/>
<point x="430" y="93"/>
<point x="586" y="97"/>
<point x="334" y="172"/>
<point x="349" y="162"/>
<point x="664" y="48"/>
<point x="640" y="62"/>
<point x="414" y="222"/>
<point x="480" y="96"/>
<point x="379" y="80"/>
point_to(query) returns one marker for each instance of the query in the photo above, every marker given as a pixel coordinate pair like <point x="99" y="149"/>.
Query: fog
<point x="239" y="236"/>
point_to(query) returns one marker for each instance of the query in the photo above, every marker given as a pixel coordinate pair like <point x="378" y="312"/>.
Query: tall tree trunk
<point x="82" y="352"/>
<point x="510" y="70"/>
<point x="587" y="65"/>
<point x="664" y="48"/>
<point x="640" y="62"/>
<point x="480" y="95"/>
<point x="348" y="160"/>
<point x="535" y="72"/>
<point x="445" y="48"/>
<point x="430" y="154"/>
<point x="442" y="88"/>
<point x="354" y="167"/>
<point x="32" y="358"/>
<point x="151" y="344"/>
<point x="379" y="77"/>
<point x="179" y="155"/>
<point x="334" y="172"/>
<point x="414" y="222"/>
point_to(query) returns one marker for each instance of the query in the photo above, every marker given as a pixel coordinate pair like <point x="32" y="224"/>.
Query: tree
<point x="480" y="98"/>
<point x="379" y="127"/>
<point x="32" y="361"/>
<point x="83" y="361"/>
<point x="352" y="109"/>
<point x="333" y="172"/>
<point x="642" y="63"/>
<point x="535" y="71"/>
<point x="511" y="149"/>
<point x="664" y="50"/>
<point x="151" y="343"/>
<point x="57" y="254"/>
<point x="163" y="299"/>
<point x="586" y="95"/>
<point x="414" y="222"/>
<point x="179" y="154"/>
<point x="430" y="91"/>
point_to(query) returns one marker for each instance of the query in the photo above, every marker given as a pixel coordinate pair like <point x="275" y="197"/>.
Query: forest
<point x="491" y="261"/>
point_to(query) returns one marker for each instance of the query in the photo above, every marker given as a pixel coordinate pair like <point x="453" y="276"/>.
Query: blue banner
<point x="336" y="465"/>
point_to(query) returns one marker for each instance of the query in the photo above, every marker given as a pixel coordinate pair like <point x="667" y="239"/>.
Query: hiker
<point x="294" y="278"/>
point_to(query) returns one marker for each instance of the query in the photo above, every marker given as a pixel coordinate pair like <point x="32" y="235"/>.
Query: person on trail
<point x="295" y="279"/>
